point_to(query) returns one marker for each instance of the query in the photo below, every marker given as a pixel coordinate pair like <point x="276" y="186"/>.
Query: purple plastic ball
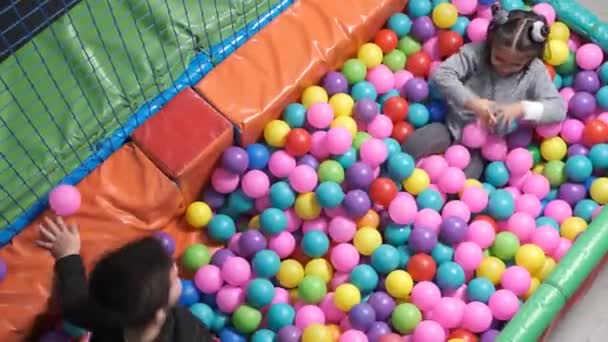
<point x="520" y="138"/>
<point x="235" y="159"/>
<point x="361" y="316"/>
<point x="382" y="303"/>
<point x="220" y="256"/>
<point x="587" y="81"/>
<point x="213" y="198"/>
<point x="356" y="203"/>
<point x="309" y="160"/>
<point x="366" y="110"/>
<point x="55" y="336"/>
<point x="359" y="175"/>
<point x="422" y="240"/>
<point x="489" y="335"/>
<point x="572" y="193"/>
<point x="577" y="149"/>
<point x="334" y="82"/>
<point x="453" y="230"/>
<point x="423" y="28"/>
<point x="251" y="242"/>
<point x="289" y="333"/>
<point x="165" y="239"/>
<point x="377" y="330"/>
<point x="416" y="89"/>
<point x="582" y="104"/>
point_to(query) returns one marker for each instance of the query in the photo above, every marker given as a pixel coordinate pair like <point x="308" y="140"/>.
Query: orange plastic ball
<point x="419" y="64"/>
<point x="551" y="70"/>
<point x="387" y="40"/>
<point x="383" y="191"/>
<point x="298" y="142"/>
<point x="450" y="43"/>
<point x="463" y="334"/>
<point x="595" y="132"/>
<point x="422" y="267"/>
<point x="402" y="130"/>
<point x="370" y="219"/>
<point x="396" y="108"/>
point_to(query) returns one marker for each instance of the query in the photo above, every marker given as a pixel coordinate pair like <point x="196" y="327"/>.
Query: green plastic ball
<point x="535" y="151"/>
<point x="195" y="256"/>
<point x="555" y="172"/>
<point x="409" y="45"/>
<point x="331" y="171"/>
<point x="360" y="138"/>
<point x="405" y="318"/>
<point x="354" y="70"/>
<point x="569" y="66"/>
<point x="505" y="246"/>
<point x="312" y="289"/>
<point x="395" y="60"/>
<point x="246" y="319"/>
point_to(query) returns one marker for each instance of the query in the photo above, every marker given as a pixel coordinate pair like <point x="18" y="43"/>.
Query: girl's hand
<point x="507" y="114"/>
<point x="484" y="109"/>
<point x="59" y="238"/>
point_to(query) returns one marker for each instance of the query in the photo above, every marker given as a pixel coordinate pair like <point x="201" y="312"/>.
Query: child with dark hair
<point x="132" y="292"/>
<point x="497" y="82"/>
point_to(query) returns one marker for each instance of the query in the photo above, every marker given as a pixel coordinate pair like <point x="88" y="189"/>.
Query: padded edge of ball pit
<point x="252" y="86"/>
<point x="125" y="198"/>
<point x="185" y="139"/>
<point x="571" y="271"/>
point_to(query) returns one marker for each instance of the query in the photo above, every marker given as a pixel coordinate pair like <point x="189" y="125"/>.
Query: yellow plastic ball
<point x="346" y="296"/>
<point x="556" y="52"/>
<point x="366" y="240"/>
<point x="370" y="219"/>
<point x="307" y="207"/>
<point x="554" y="148"/>
<point x="492" y="268"/>
<point x="312" y="95"/>
<point x="254" y="222"/>
<point x="321" y="268"/>
<point x="346" y="122"/>
<point x="530" y="257"/>
<point x="456" y="340"/>
<point x="534" y="284"/>
<point x="198" y="214"/>
<point x="445" y="15"/>
<point x="417" y="182"/>
<point x="572" y="227"/>
<point x="342" y="104"/>
<point x="599" y="190"/>
<point x="275" y="133"/>
<point x="546" y="269"/>
<point x="317" y="333"/>
<point x="559" y="31"/>
<point x="399" y="284"/>
<point x="469" y="183"/>
<point x="290" y="273"/>
<point x="335" y="331"/>
<point x="538" y="169"/>
<point x="370" y="54"/>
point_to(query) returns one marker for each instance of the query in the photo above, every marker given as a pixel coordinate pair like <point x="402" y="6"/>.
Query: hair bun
<point x="500" y="16"/>
<point x="539" y="32"/>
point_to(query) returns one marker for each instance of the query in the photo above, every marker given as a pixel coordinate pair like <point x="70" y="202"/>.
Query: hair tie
<point x="538" y="32"/>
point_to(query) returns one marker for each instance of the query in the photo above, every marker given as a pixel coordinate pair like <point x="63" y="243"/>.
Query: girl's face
<point x="507" y="61"/>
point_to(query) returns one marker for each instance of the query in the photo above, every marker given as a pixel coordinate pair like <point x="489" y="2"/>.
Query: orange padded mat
<point x="294" y="51"/>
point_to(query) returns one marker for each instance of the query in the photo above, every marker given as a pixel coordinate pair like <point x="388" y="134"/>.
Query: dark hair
<point x="524" y="31"/>
<point x="133" y="282"/>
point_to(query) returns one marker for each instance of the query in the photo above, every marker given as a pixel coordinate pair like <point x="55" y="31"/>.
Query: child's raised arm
<point x="545" y="105"/>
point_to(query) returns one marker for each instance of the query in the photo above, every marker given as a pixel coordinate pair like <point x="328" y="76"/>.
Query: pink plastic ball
<point x="229" y="298"/>
<point x="477" y="317"/>
<point x="223" y="181"/>
<point x="559" y="210"/>
<point x="474" y="135"/>
<point x="546" y="11"/>
<point x="452" y="181"/>
<point x="338" y="140"/>
<point x="330" y="310"/>
<point x="342" y="229"/>
<point x="504" y="304"/>
<point x="403" y="208"/>
<point x="320" y="224"/>
<point x="567" y="93"/>
<point x="549" y="130"/>
<point x="208" y="279"/>
<point x="466" y="7"/>
<point x="575" y="42"/>
<point x="320" y="115"/>
<point x="547" y="238"/>
<point x="338" y="279"/>
<point x="484" y="12"/>
<point x="495" y="149"/>
<point x="522" y="225"/>
<point x="468" y="255"/>
<point x="476" y="198"/>
<point x="382" y="78"/>
<point x="481" y="233"/>
<point x="283" y="244"/>
<point x="603" y="117"/>
<point x="431" y="48"/>
<point x="345" y="324"/>
<point x="255" y="183"/>
<point x="280" y="296"/>
<point x="65" y="200"/>
<point x="401" y="78"/>
<point x="281" y="164"/>
<point x="477" y="30"/>
<point x="344" y="257"/>
<point x="597" y="211"/>
<point x="236" y="271"/>
<point x="434" y="166"/>
<point x="309" y="314"/>
<point x="373" y="152"/>
<point x="380" y="127"/>
<point x="428" y="331"/>
<point x="233" y="243"/>
<point x="303" y="179"/>
<point x="293" y="221"/>
<point x="536" y="185"/>
<point x="562" y="249"/>
<point x="519" y="161"/>
<point x="353" y="336"/>
<point x="425" y="295"/>
<point x="428" y="218"/>
<point x="458" y="209"/>
<point x="528" y="203"/>
<point x="515" y="193"/>
<point x="516" y="279"/>
<point x="318" y="149"/>
<point x="517" y="181"/>
<point x="589" y="56"/>
<point x="334" y="212"/>
<point x="262" y="203"/>
<point x="572" y="131"/>
<point x="457" y="156"/>
<point x="449" y="312"/>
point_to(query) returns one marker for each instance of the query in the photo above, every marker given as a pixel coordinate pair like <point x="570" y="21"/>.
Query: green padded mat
<point x="83" y="76"/>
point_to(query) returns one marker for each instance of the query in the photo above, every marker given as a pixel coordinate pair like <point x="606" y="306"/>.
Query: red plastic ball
<point x="551" y="70"/>
<point x="419" y="64"/>
<point x="402" y="130"/>
<point x="450" y="43"/>
<point x="422" y="267"/>
<point x="387" y="40"/>
<point x="595" y="132"/>
<point x="396" y="108"/>
<point x="488" y="219"/>
<point x="463" y="334"/>
<point x="298" y="142"/>
<point x="383" y="191"/>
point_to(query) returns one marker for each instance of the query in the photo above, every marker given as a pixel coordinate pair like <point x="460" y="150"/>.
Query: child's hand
<point x="507" y="114"/>
<point x="60" y="239"/>
<point x="484" y="109"/>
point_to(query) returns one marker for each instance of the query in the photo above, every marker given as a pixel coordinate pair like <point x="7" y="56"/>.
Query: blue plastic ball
<point x="258" y="156"/>
<point x="602" y="97"/>
<point x="209" y="299"/>
<point x="219" y="322"/>
<point x="315" y="243"/>
<point x="266" y="263"/>
<point x="578" y="168"/>
<point x="404" y="256"/>
<point x="585" y="208"/>
<point x="189" y="295"/>
<point x="501" y="204"/>
<point x="260" y="292"/>
<point x="450" y="275"/>
<point x="551" y="195"/>
<point x="400" y="23"/>
<point x="400" y="166"/>
<point x="419" y="8"/>
<point x="589" y="181"/>
<point x="280" y="315"/>
<point x="487" y="2"/>
<point x="295" y="115"/>
<point x="437" y="2"/>
<point x="273" y="221"/>
<point x="480" y="289"/>
<point x="558" y="81"/>
<point x="397" y="235"/>
<point x="281" y="195"/>
<point x="567" y="80"/>
<point x="442" y="253"/>
<point x="329" y="195"/>
<point x="386" y="96"/>
<point x="385" y="259"/>
<point x="489" y="188"/>
<point x="263" y="335"/>
<point x="392" y="146"/>
<point x="363" y="90"/>
<point x="348" y="158"/>
<point x="496" y="173"/>
<point x="462" y="23"/>
<point x="604" y="73"/>
<point x="418" y="115"/>
<point x="221" y="228"/>
<point x="598" y="154"/>
<point x="229" y="335"/>
<point x="238" y="202"/>
<point x="437" y="111"/>
<point x="364" y="277"/>
<point x="429" y="198"/>
<point x="547" y="221"/>
<point x="204" y="313"/>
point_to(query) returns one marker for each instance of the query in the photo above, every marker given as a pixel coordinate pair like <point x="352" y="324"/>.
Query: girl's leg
<point x="430" y="139"/>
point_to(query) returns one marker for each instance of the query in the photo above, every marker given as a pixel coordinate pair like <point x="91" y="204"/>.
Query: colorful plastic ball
<point x="380" y="127"/>
<point x="589" y="56"/>
<point x="572" y="227"/>
<point x="298" y="143"/>
<point x="359" y="175"/>
<point x="263" y="335"/>
<point x="354" y="70"/>
<point x="195" y="256"/>
<point x="315" y="243"/>
<point x="401" y="131"/>
<point x="395" y="60"/>
<point x="418" y="115"/>
<point x="377" y="330"/>
<point x="536" y="185"/>
<point x="504" y="304"/>
<point x="361" y="316"/>
<point x="266" y="263"/>
<point x="344" y="257"/>
<point x="329" y="194"/>
<point x="453" y="230"/>
<point x="452" y="181"/>
<point x="356" y="203"/>
<point x="491" y="268"/>
<point x="419" y="64"/>
<point x="497" y="174"/>
<point x="289" y="333"/>
<point x="65" y="200"/>
<point x="461" y="25"/>
<point x="409" y="46"/>
<point x="290" y="273"/>
<point x="370" y="54"/>
<point x="417" y="182"/>
<point x="559" y="31"/>
<point x="260" y="292"/>
<point x="366" y="110"/>
<point x="501" y="204"/>
<point x="400" y="166"/>
<point x="558" y="210"/>
<point x="386" y="39"/>
<point x="582" y="104"/>
<point x="334" y="82"/>
<point x="251" y="242"/>
<point x="468" y="255"/>
<point x="422" y="240"/>
<point x="429" y="331"/>
<point x="481" y="233"/>
<point x="364" y="277"/>
<point x="416" y="89"/>
<point x="587" y="81"/>
<point x="373" y="152"/>
<point x="198" y="214"/>
<point x="346" y="296"/>
<point x="400" y="23"/>
<point x="465" y="7"/>
<point x="480" y="289"/>
<point x="312" y="289"/>
<point x="556" y="52"/>
<point x="477" y="317"/>
<point x="313" y="95"/>
<point x="382" y="78"/>
<point x="189" y="294"/>
<point x="516" y="279"/>
<point x="477" y="30"/>
<point x="445" y="15"/>
<point x="572" y="193"/>
<point x="396" y="108"/>
<point x="295" y="115"/>
<point x="505" y="246"/>
<point x="383" y="191"/>
<point x="602" y="97"/>
<point x="399" y="284"/>
<point x="578" y="168"/>
<point x="598" y="154"/>
<point x="353" y="336"/>
<point x="235" y="160"/>
<point x="450" y="275"/>
<point x="405" y="317"/>
<point x="385" y="259"/>
<point x="258" y="156"/>
<point x="595" y="132"/>
<point x="585" y="208"/>
<point x="280" y="315"/>
<point x="421" y="267"/>
<point x="246" y="319"/>
<point x="419" y="8"/>
<point x="475" y="198"/>
<point x="448" y="312"/>
<point x="530" y="257"/>
<point x="402" y="209"/>
<point x="429" y="198"/>
<point x="425" y="295"/>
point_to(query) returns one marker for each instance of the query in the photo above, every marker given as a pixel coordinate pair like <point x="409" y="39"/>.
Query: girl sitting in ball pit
<point x="497" y="83"/>
<point x="132" y="292"/>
